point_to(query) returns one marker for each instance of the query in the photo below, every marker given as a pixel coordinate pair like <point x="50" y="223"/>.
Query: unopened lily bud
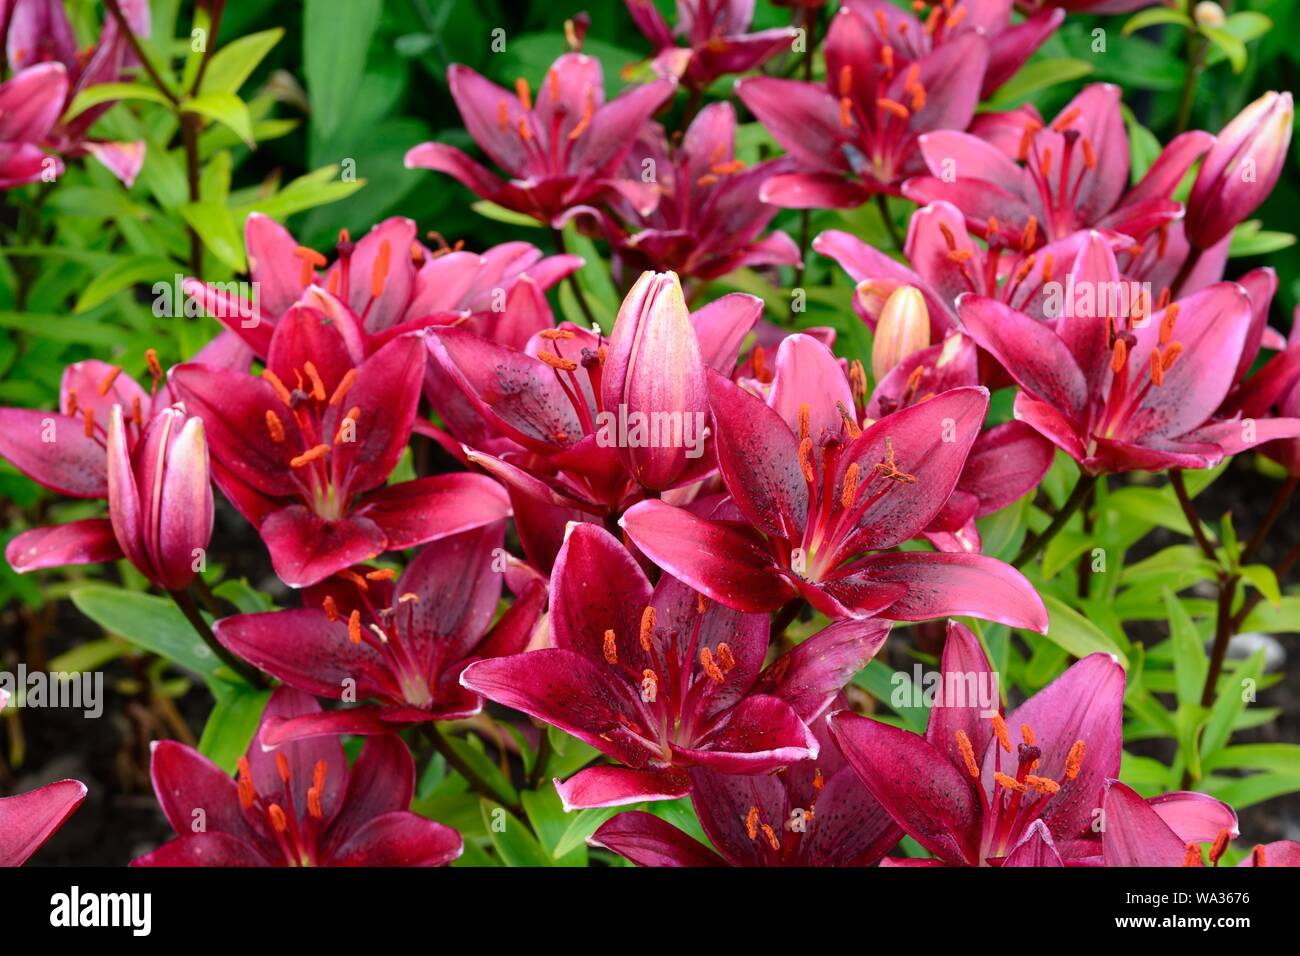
<point x="1240" y="169"/>
<point x="653" y="387"/>
<point x="903" y="328"/>
<point x="160" y="496"/>
<point x="870" y="296"/>
<point x="1207" y="13"/>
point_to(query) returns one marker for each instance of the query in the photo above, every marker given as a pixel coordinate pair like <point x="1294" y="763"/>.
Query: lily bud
<point x="654" y="396"/>
<point x="1240" y="169"/>
<point x="1207" y="13"/>
<point x="870" y="296"/>
<point x="903" y="328"/>
<point x="160" y="496"/>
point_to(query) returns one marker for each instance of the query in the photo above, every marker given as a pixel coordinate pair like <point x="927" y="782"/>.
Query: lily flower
<point x="812" y="494"/>
<point x="403" y="643"/>
<point x="565" y="401"/>
<point x="814" y="813"/>
<point x="709" y="217"/>
<point x="385" y="284"/>
<point x="662" y="679"/>
<point x="66" y="452"/>
<point x="984" y="789"/>
<point x="27" y="820"/>
<point x="41" y="39"/>
<point x="303" y="451"/>
<point x="1120" y="385"/>
<point x="718" y="40"/>
<point x="297" y="805"/>
<point x="1005" y="462"/>
<point x="1277" y="853"/>
<point x="1240" y="170"/>
<point x="160" y="495"/>
<point x="1167" y="830"/>
<point x="30" y="105"/>
<point x="944" y="263"/>
<point x="563" y="150"/>
<point x="858" y="134"/>
<point x="1054" y="183"/>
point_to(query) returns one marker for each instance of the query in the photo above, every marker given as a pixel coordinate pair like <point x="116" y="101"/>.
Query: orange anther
<point x="525" y="95"/>
<point x="282" y="766"/>
<point x="894" y="107"/>
<point x="1027" y="734"/>
<point x="726" y="660"/>
<point x="1011" y="783"/>
<point x="850" y="490"/>
<point x="610" y="648"/>
<point x="88" y="423"/>
<point x="1074" y="760"/>
<point x="107" y="382"/>
<point x="1042" y="784"/>
<point x="354" y="627"/>
<point x="1000" y="731"/>
<point x="967" y="753"/>
<point x="274" y="427"/>
<point x="345" y="384"/>
<point x="379" y="272"/>
<point x="278" y="820"/>
<point x="317" y="386"/>
<point x="310" y="455"/>
<point x="331" y="609"/>
<point x="274" y="381"/>
<point x="711" y="668"/>
<point x="1119" y="358"/>
<point x="805" y="461"/>
<point x="646" y="635"/>
<point x="751" y="823"/>
<point x="557" y="362"/>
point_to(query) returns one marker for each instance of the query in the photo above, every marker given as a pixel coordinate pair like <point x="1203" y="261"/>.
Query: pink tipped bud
<point x="1240" y="170"/>
<point x="903" y="328"/>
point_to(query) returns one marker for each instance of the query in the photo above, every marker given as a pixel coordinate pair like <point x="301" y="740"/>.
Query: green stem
<point x="1280" y="502"/>
<point x="1082" y="489"/>
<point x="449" y="754"/>
<point x="882" y="203"/>
<point x="541" y="760"/>
<point x="1195" y="56"/>
<point x="185" y="601"/>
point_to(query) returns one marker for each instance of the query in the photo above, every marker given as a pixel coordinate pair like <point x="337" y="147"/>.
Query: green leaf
<point x="484" y="767"/>
<point x="1150" y="505"/>
<point x="510" y="837"/>
<point x="1231" y="699"/>
<point x="1190" y="663"/>
<point x="231" y="724"/>
<point x="335" y="40"/>
<point x="546" y="813"/>
<point x="1078" y="635"/>
<point x="224" y="108"/>
<point x="1264" y="580"/>
<point x="1281" y="618"/>
<point x="1274" y="758"/>
<point x="582" y="825"/>
<point x="122" y="275"/>
<point x="148" y="622"/>
<point x="216" y="227"/>
<point x="1248" y="239"/>
<point x="1039" y="75"/>
<point x="308" y="191"/>
<point x="90" y="656"/>
<point x="1232" y="47"/>
<point x="234" y="63"/>
<point x="490" y="210"/>
<point x="1153" y="16"/>
<point x="111" y="92"/>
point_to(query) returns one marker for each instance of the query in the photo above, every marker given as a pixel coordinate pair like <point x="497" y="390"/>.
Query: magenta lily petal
<point x="1134" y="833"/>
<point x="1035" y="848"/>
<point x="89" y="541"/>
<point x="27" y="820"/>
<point x="648" y="840"/>
<point x="619" y="786"/>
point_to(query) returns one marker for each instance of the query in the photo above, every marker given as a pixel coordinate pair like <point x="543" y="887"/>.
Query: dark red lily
<point x="564" y="150"/>
<point x="385" y="284"/>
<point x="1052" y="183"/>
<point x="1005" y="462"/>
<point x="402" y="645"/>
<point x="814" y="813"/>
<point x="1167" y="830"/>
<point x="66" y="451"/>
<point x="858" y="134"/>
<point x="709" y="217"/>
<point x="303" y="451"/>
<point x="296" y="805"/>
<point x="27" y="820"/>
<point x="812" y="494"/>
<point x="718" y="40"/>
<point x="42" y="49"/>
<point x="558" y="401"/>
<point x="1129" y="391"/>
<point x="984" y="789"/>
<point x="663" y="680"/>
